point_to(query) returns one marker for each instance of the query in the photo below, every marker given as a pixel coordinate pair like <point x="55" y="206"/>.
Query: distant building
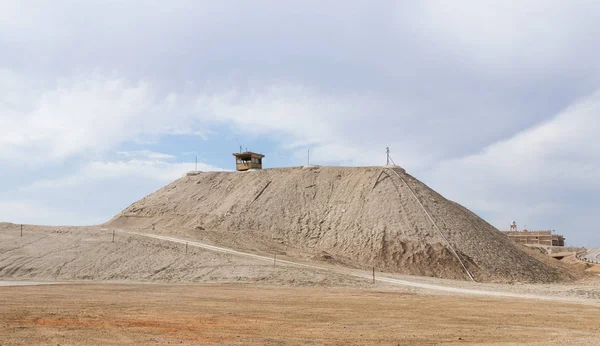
<point x="248" y="160"/>
<point x="536" y="237"/>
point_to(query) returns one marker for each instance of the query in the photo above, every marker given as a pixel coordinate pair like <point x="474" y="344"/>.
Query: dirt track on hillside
<point x="88" y="253"/>
<point x="253" y="315"/>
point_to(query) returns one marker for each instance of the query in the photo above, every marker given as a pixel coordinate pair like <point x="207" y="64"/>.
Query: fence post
<point x="21" y="230"/>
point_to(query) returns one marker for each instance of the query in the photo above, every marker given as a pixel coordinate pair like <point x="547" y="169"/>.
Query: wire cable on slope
<point x="436" y="227"/>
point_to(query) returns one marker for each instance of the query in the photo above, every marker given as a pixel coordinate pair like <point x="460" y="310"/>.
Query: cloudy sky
<point x="495" y="104"/>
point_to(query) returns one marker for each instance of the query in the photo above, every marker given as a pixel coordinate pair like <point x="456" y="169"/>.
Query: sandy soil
<point x="299" y="306"/>
<point x="360" y="217"/>
<point x="585" y="290"/>
<point x="253" y="315"/>
<point x="88" y="253"/>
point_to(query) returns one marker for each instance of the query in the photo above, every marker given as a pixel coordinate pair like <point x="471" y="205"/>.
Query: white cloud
<point x="94" y="113"/>
<point x="349" y="128"/>
<point x="30" y="212"/>
<point x="145" y="154"/>
<point x="562" y="150"/>
<point x="84" y="114"/>
<point x="157" y="170"/>
<point x="151" y="169"/>
<point x="545" y="177"/>
<point x="522" y="37"/>
<point x="94" y="193"/>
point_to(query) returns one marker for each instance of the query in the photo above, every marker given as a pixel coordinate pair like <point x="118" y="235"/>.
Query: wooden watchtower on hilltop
<point x="248" y="160"/>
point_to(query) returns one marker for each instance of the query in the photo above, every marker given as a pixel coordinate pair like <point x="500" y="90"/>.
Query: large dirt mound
<point x="361" y="217"/>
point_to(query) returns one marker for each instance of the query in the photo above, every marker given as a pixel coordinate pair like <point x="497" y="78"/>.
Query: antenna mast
<point x="388" y="157"/>
<point x="387" y="152"/>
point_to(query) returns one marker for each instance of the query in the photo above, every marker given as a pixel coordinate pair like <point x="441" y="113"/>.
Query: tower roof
<point x="248" y="155"/>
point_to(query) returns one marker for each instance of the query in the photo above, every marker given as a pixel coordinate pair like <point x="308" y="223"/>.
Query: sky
<point x="494" y="104"/>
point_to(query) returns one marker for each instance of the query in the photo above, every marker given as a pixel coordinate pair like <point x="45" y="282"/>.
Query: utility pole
<point x="196" y="170"/>
<point x="387" y="151"/>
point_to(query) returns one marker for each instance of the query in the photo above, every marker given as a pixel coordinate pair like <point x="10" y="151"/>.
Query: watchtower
<point x="248" y="160"/>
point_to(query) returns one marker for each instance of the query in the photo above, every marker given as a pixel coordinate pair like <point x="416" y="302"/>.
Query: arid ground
<point x="183" y="266"/>
<point x="144" y="290"/>
<point x="112" y="314"/>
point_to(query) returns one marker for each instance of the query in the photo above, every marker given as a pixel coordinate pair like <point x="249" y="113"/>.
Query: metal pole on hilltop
<point x="387" y="152"/>
<point x="196" y="163"/>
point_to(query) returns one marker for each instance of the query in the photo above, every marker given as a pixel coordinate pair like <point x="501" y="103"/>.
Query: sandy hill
<point x="356" y="216"/>
<point x="64" y="253"/>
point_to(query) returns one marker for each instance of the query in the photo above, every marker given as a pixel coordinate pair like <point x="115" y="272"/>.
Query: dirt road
<point x="108" y="314"/>
<point x="593" y="255"/>
<point x="363" y="274"/>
